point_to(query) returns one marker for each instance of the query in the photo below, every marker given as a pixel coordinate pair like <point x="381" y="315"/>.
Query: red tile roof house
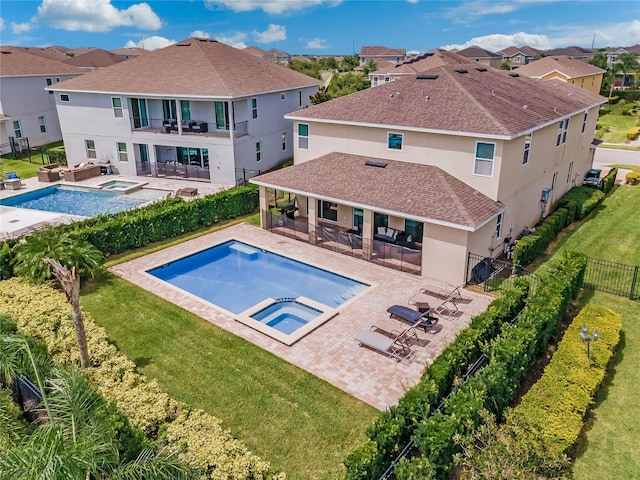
<point x="460" y="156"/>
<point x="198" y="110"/>
<point x="28" y="111"/>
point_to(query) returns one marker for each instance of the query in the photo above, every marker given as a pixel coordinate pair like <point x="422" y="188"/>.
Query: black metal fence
<point x="493" y="275"/>
<point x="611" y="277"/>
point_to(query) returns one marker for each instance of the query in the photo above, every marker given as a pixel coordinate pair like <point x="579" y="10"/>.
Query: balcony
<point x="198" y="128"/>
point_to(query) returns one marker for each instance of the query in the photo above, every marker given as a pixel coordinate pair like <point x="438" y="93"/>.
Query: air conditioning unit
<point x="546" y="193"/>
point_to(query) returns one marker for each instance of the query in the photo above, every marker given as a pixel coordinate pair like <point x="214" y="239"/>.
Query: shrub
<point x="633" y="178"/>
<point x="609" y="181"/>
<point x="613" y="100"/>
<point x="43" y="313"/>
<point x="633" y="133"/>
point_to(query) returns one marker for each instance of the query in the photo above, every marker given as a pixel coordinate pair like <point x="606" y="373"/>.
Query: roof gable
<point x="17" y="62"/>
<point x="96" y="58"/>
<point x="380" y="51"/>
<point x="477" y="52"/>
<point x="569" y="67"/>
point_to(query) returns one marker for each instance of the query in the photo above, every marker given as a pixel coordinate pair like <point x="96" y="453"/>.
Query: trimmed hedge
<point x="511" y="355"/>
<point x="609" y="181"/>
<point x="42" y="313"/>
<point x="633" y="133"/>
<point x="633" y="178"/>
<point x="577" y="203"/>
<point x="555" y="406"/>
<point x="392" y="430"/>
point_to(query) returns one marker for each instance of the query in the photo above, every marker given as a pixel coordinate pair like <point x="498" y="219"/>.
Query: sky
<point x="322" y="27"/>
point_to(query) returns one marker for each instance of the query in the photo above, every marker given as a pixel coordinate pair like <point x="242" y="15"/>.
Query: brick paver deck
<point x="330" y="351"/>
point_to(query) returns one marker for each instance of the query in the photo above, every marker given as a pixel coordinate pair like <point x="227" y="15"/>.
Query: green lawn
<point x="618" y="126"/>
<point x="609" y="449"/>
<point x="301" y="424"/>
<point x="23" y="167"/>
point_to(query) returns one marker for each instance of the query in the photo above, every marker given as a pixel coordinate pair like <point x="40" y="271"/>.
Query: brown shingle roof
<point x="382" y="51"/>
<point x="484" y="101"/>
<point x="16" y="62"/>
<point x="133" y="51"/>
<point x="420" y="63"/>
<point x="193" y="67"/>
<point x="48" y="52"/>
<point x="423" y="192"/>
<point x="477" y="52"/>
<point x="96" y="58"/>
<point x="528" y="51"/>
<point x="570" y="51"/>
<point x="568" y="66"/>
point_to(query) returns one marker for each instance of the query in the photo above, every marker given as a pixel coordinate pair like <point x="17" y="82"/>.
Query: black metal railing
<point x="611" y="277"/>
<point x="494" y="275"/>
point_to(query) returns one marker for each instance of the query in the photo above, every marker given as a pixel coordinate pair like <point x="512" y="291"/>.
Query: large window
<point x="43" y="124"/>
<point x="394" y="141"/>
<point x="222" y="115"/>
<point x="169" y="110"/>
<point x="116" y="103"/>
<point x="91" y="148"/>
<point x="303" y="136"/>
<point x="380" y="220"/>
<point x="193" y="156"/>
<point x="485" y="154"/>
<point x="122" y="152"/>
<point x="414" y="229"/>
<point x="527" y="149"/>
<point x="254" y="107"/>
<point x="185" y="109"/>
<point x="139" y="112"/>
<point x="358" y="219"/>
<point x="563" y="127"/>
<point x="17" y="129"/>
<point x="327" y="211"/>
<point x="258" y="151"/>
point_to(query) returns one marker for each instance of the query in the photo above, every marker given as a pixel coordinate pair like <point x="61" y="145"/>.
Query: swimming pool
<point x="83" y="201"/>
<point x="121" y="185"/>
<point x="287" y="316"/>
<point x="243" y="279"/>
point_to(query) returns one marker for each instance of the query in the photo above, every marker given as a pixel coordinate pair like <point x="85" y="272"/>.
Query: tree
<point x="599" y="60"/>
<point x="346" y="83"/>
<point x="630" y="65"/>
<point x="611" y="74"/>
<point x="505" y="65"/>
<point x="320" y="96"/>
<point x="349" y="62"/>
<point x="53" y="253"/>
<point x="370" y="66"/>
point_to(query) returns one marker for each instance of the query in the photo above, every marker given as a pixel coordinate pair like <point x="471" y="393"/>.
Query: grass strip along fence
<point x="198" y="438"/>
<point x="394" y="427"/>
<point x="119" y="232"/>
<point x="574" y="205"/>
<point x="510" y="354"/>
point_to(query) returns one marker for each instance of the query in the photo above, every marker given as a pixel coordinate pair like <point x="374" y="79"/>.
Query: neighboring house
<point x="482" y="55"/>
<point x="51" y="53"/>
<point x="273" y="55"/>
<point x="519" y="56"/>
<point x="567" y="69"/>
<point x="392" y="55"/>
<point x="129" y="52"/>
<point x="28" y="111"/>
<point x="94" y="59"/>
<point x="578" y="53"/>
<point x="198" y="109"/>
<point x="463" y="157"/>
<point x="419" y="63"/>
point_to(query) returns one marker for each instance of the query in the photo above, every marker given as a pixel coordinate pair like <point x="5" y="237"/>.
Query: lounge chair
<point x="417" y="319"/>
<point x="395" y="346"/>
<point x="446" y="298"/>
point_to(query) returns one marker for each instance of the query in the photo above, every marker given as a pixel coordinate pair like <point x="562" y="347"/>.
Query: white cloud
<point x="412" y="1"/>
<point x="470" y="11"/>
<point x="272" y="34"/>
<point x="19" y="28"/>
<point x="317" y="43"/>
<point x="1" y="23"/>
<point x="498" y="41"/>
<point x="234" y="40"/>
<point x="268" y="6"/>
<point x="95" y="15"/>
<point x="199" y="34"/>
<point x="150" y="43"/>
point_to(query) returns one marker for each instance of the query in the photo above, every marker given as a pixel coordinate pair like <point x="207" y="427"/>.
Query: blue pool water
<point x="237" y="276"/>
<point x="87" y="202"/>
<point x="286" y="317"/>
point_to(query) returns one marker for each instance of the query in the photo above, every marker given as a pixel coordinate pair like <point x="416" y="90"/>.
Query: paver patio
<point x="329" y="352"/>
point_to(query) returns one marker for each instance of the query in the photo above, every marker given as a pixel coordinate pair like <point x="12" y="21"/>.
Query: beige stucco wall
<point x="444" y="254"/>
<point x="591" y="83"/>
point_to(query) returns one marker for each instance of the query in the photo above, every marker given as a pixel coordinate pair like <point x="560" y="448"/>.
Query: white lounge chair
<point x="395" y="346"/>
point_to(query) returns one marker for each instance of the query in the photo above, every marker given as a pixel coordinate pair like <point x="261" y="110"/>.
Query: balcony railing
<point x="188" y="127"/>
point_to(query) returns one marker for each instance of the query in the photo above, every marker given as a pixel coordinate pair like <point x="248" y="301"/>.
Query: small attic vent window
<point x="514" y="75"/>
<point x="183" y="44"/>
<point x="461" y="70"/>
<point x="481" y="69"/>
<point x="373" y="163"/>
<point x="424" y="76"/>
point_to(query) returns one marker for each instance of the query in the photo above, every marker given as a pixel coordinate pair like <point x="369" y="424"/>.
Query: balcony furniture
<point x="81" y="172"/>
<point x="170" y="125"/>
<point x="199" y="127"/>
<point x="289" y="210"/>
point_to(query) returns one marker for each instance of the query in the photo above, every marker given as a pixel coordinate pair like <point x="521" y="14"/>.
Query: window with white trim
<point x="116" y="103"/>
<point x="584" y="122"/>
<point x="17" y="129"/>
<point x="375" y="81"/>
<point x="485" y="154"/>
<point x="283" y="137"/>
<point x="563" y="127"/>
<point x="499" y="225"/>
<point x="64" y="97"/>
<point x="122" y="152"/>
<point x="49" y="83"/>
<point x="258" y="151"/>
<point x="42" y="124"/>
<point x="327" y="211"/>
<point x="303" y="136"/>
<point x="254" y="108"/>
<point x="527" y="149"/>
<point x="394" y="141"/>
<point x="90" y="146"/>
<point x="283" y="96"/>
<point x="299" y="98"/>
<point x="570" y="171"/>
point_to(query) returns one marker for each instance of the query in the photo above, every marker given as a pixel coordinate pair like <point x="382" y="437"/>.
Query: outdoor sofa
<point x="81" y="172"/>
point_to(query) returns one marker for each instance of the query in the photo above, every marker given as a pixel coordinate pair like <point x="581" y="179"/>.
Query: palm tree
<point x="54" y="253"/>
<point x="629" y="62"/>
<point x="612" y="73"/>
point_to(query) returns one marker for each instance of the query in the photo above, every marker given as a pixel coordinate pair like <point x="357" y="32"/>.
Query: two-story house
<point x="566" y="69"/>
<point x="482" y="56"/>
<point x="519" y="56"/>
<point x="198" y="109"/>
<point x="416" y="64"/>
<point x="28" y="112"/>
<point x="377" y="53"/>
<point x="459" y="157"/>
